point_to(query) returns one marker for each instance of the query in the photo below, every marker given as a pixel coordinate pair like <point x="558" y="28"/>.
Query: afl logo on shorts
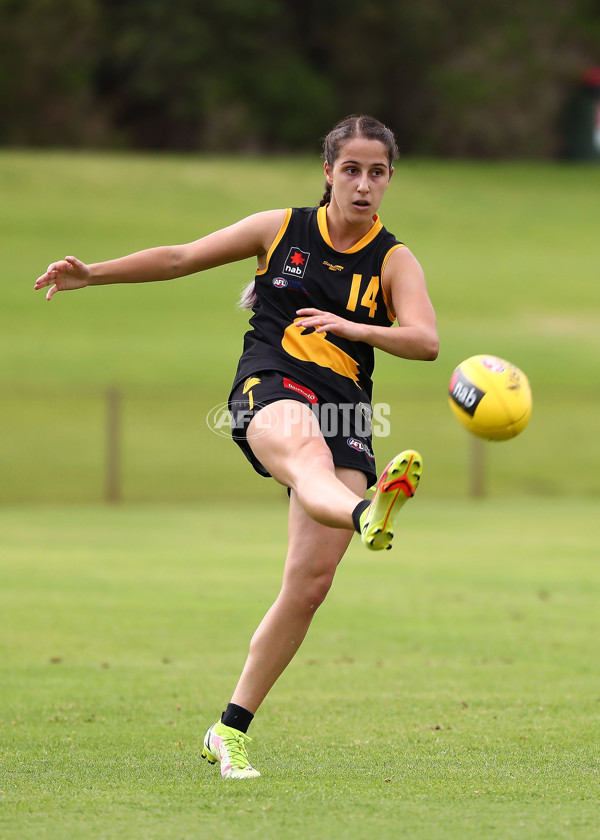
<point x="359" y="446"/>
<point x="280" y="282"/>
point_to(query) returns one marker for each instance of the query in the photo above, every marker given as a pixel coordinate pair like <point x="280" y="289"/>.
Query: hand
<point x="328" y="322"/>
<point x="63" y="276"/>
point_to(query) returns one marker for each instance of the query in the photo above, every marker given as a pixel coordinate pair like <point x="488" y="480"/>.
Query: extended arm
<point x="251" y="237"/>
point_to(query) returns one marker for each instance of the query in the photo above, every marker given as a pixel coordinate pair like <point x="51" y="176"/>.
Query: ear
<point x="391" y="172"/>
<point x="328" y="175"/>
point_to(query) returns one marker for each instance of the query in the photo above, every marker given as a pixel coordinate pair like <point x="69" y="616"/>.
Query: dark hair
<point x="356" y="126"/>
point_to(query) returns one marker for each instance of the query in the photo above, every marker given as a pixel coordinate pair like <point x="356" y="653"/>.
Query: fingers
<point x="51" y="273"/>
<point x="51" y="292"/>
<point x="324" y="322"/>
<point x="310" y="317"/>
<point x="54" y="272"/>
<point x="313" y="317"/>
<point x="320" y="328"/>
<point x="309" y="311"/>
<point x="55" y="268"/>
<point x="44" y="280"/>
<point x="319" y="325"/>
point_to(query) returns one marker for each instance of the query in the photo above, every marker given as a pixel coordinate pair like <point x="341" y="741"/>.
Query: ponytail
<point x="326" y="195"/>
<point x="248" y="297"/>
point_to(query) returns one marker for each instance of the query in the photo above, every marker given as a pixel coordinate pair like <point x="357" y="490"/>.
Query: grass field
<point x="511" y="256"/>
<point x="448" y="691"/>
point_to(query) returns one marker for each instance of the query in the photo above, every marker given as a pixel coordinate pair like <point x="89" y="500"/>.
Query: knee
<point x="310" y="594"/>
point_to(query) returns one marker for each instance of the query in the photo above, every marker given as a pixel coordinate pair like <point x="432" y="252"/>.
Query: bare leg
<point x="314" y="551"/>
<point x="295" y="453"/>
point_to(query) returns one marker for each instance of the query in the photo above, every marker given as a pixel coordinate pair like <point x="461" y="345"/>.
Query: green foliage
<point x="452" y="78"/>
<point x="445" y="691"/>
<point x="49" y="50"/>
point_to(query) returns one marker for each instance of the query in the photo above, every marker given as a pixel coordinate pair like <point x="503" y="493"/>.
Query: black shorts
<point x="346" y="427"/>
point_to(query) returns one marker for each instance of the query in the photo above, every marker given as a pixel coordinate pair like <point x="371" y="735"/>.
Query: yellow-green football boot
<point x="227" y="745"/>
<point x="398" y="483"/>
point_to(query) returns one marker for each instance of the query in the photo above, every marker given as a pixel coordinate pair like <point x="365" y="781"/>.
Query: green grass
<point x="445" y="691"/>
<point x="510" y="252"/>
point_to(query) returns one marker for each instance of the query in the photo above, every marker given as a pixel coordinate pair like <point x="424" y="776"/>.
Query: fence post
<point x="112" y="483"/>
<point x="477" y="467"/>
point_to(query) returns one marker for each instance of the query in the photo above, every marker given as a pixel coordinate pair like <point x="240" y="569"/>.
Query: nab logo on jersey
<point x="296" y="262"/>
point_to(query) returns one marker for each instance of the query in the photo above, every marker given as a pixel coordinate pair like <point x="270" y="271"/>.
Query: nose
<point x="363" y="185"/>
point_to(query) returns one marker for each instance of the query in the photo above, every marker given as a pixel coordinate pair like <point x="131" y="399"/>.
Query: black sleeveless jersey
<point x="304" y="270"/>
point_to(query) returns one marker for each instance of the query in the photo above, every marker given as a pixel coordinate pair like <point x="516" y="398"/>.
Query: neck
<point x="345" y="234"/>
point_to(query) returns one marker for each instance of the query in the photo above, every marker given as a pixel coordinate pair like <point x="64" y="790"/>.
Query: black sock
<point x="356" y="513"/>
<point x="237" y="717"/>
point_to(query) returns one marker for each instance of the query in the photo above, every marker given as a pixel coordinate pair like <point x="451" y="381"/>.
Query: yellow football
<point x="490" y="397"/>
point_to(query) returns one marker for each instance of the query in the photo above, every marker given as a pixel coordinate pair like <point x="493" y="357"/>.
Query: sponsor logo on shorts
<point x="296" y="262"/>
<point x="248" y="386"/>
<point x="250" y="382"/>
<point x="462" y="391"/>
<point x="360" y="446"/>
<point x="300" y="389"/>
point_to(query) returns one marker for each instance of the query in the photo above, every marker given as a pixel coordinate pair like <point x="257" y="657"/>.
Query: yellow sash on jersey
<point x="314" y="347"/>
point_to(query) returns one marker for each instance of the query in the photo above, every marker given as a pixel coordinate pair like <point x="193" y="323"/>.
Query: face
<point x="359" y="178"/>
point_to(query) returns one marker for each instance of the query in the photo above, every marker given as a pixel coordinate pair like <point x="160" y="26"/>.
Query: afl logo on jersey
<point x="296" y="262"/>
<point x="280" y="282"/>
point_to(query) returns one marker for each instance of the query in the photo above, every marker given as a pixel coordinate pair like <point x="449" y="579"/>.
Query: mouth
<point x="361" y="204"/>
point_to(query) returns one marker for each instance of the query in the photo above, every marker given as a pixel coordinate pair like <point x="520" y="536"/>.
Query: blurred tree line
<point x="452" y="77"/>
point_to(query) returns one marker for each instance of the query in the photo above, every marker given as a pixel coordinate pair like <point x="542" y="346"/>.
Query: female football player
<point x="330" y="282"/>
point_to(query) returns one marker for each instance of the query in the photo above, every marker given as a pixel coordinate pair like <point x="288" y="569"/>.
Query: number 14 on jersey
<point x="368" y="300"/>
